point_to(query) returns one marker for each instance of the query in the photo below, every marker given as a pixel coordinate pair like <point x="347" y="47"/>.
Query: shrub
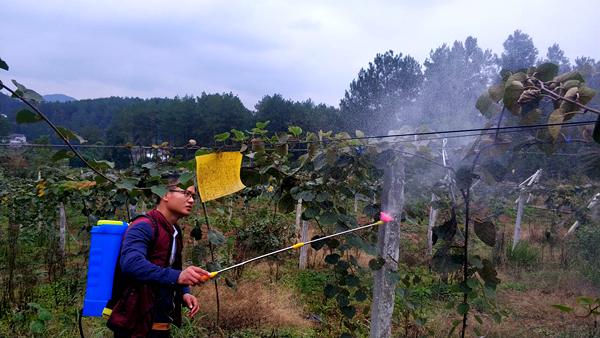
<point x="523" y="255"/>
<point x="584" y="249"/>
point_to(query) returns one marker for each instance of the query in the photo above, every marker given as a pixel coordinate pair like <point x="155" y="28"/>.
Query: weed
<point x="524" y="255"/>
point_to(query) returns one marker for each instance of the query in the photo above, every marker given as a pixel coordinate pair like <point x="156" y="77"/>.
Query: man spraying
<point x="150" y="284"/>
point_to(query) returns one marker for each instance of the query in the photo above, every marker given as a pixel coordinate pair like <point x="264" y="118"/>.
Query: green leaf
<point x="318" y="244"/>
<point x="546" y="71"/>
<point x="472" y="283"/>
<point x="185" y="178"/>
<point x="44" y="315"/>
<point x="102" y="164"/>
<point x="442" y="262"/>
<point x="295" y="130"/>
<point x="310" y="213"/>
<point x="27" y="116"/>
<point x="463" y="308"/>
<point x="447" y="230"/>
<point x="596" y="133"/>
<point x="127" y="184"/>
<point x="306" y="195"/>
<point x="574" y="75"/>
<point x="159" y="190"/>
<point x="332" y="243"/>
<point x="562" y="308"/>
<point x="3" y="65"/>
<point x="342" y="265"/>
<point x="557" y="116"/>
<point x="585" y="300"/>
<point x="238" y="135"/>
<point x="342" y="300"/>
<point x="360" y="295"/>
<point x="512" y="92"/>
<point x="330" y="290"/>
<point x="489" y="274"/>
<point x="222" y="137"/>
<point x="352" y="280"/>
<point x="62" y="154"/>
<point x="496" y="92"/>
<point x="69" y="135"/>
<point x="484" y="104"/>
<point x="328" y="218"/>
<point x="586" y="94"/>
<point x="28" y="93"/>
<point x="376" y="263"/>
<point x="332" y="258"/>
<point x="262" y="125"/>
<point x="215" y="237"/>
<point x="478" y="319"/>
<point x="486" y="231"/>
<point x="464" y="178"/>
<point x="202" y="151"/>
<point x="286" y="203"/>
<point x="196" y="233"/>
<point x="37" y="327"/>
<point x="371" y="210"/>
<point x="322" y="197"/>
<point x="349" y="311"/>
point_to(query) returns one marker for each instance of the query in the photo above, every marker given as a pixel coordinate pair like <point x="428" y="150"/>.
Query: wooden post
<point x="301" y="234"/>
<point x="525" y="185"/>
<point x="388" y="246"/>
<point x="432" y="218"/>
<point x="62" y="226"/>
<point x="304" y="249"/>
<point x="520" y="205"/>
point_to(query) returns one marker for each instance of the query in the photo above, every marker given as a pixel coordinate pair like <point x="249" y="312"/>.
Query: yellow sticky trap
<point x="218" y="174"/>
<point x="298" y="245"/>
<point x="106" y="313"/>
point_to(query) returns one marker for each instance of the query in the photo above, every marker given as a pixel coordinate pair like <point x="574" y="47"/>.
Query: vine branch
<point x="53" y="126"/>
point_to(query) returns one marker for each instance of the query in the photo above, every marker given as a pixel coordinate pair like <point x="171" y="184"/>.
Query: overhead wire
<point x="471" y="132"/>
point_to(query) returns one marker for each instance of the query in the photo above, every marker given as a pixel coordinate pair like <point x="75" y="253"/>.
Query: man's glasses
<point x="187" y="193"/>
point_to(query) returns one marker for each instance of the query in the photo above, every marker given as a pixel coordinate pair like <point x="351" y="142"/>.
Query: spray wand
<point x="383" y="218"/>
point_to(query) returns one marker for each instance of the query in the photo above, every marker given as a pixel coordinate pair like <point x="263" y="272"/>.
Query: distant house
<point x="15" y="140"/>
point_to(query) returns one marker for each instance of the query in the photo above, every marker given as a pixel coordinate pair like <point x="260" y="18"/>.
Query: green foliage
<point x="519" y="52"/>
<point x="3" y="65"/>
<point x="390" y="81"/>
<point x="523" y="255"/>
<point x="27" y="116"/>
<point x="584" y="249"/>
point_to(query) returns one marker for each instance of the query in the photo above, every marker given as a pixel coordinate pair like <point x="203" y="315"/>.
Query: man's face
<point x="180" y="201"/>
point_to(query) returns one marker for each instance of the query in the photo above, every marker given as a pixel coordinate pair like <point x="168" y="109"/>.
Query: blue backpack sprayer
<point x="104" y="251"/>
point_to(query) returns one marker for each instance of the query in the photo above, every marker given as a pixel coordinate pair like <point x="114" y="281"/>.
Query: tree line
<point x="393" y="91"/>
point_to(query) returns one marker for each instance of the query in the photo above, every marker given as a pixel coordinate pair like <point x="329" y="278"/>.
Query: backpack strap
<point x="118" y="285"/>
<point x="154" y="225"/>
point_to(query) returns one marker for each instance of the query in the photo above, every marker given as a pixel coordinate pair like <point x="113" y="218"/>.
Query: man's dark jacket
<point x="145" y="289"/>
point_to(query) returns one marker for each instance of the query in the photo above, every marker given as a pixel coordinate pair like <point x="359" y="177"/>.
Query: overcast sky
<point x="300" y="49"/>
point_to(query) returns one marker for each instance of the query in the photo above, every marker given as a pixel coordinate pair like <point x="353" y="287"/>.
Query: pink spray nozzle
<point x="385" y="217"/>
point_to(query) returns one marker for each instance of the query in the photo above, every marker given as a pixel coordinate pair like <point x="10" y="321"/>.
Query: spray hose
<point x="383" y="218"/>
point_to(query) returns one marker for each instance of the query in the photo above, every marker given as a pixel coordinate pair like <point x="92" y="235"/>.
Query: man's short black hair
<point x="170" y="181"/>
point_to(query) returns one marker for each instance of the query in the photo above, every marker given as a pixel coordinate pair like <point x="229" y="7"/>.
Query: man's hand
<point x="192" y="303"/>
<point x="193" y="275"/>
